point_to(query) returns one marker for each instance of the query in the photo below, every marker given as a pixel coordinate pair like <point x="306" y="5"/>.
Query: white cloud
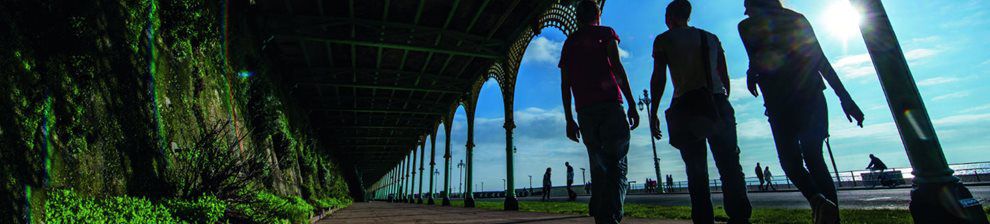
<point x="915" y="55"/>
<point x="975" y="109"/>
<point x="738" y="89"/>
<point x="543" y="50"/>
<point x="754" y="129"/>
<point x="854" y="66"/>
<point x="623" y="54"/>
<point x="860" y="65"/>
<point x="987" y="62"/>
<point x="951" y="96"/>
<point x="937" y="81"/>
<point x="962" y="119"/>
<point x="873" y="131"/>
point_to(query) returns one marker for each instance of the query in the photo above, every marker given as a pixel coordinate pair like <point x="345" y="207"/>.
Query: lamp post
<point x="504" y="188"/>
<point x="645" y="102"/>
<point x="585" y="181"/>
<point x="937" y="197"/>
<point x="530" y="184"/>
<point x="436" y="174"/>
<point x="460" y="174"/>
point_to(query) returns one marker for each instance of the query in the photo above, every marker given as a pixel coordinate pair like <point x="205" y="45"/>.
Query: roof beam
<point x="376" y="111"/>
<point x="384" y="87"/>
<point x="378" y="44"/>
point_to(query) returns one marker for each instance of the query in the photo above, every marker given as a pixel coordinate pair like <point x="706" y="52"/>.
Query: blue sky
<point x="942" y="42"/>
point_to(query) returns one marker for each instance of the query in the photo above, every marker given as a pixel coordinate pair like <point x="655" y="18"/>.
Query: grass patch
<point x="759" y="215"/>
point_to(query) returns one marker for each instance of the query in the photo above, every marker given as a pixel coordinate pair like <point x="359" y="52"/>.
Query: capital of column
<point x="446" y="155"/>
<point x="421" y="169"/>
<point x="509" y="125"/>
<point x="432" y="163"/>
<point x="469" y="145"/>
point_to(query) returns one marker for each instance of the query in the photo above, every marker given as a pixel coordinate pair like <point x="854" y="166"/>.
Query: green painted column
<point x="406" y="178"/>
<point x="412" y="178"/>
<point x="511" y="203"/>
<point x="422" y="157"/>
<point x="446" y="165"/>
<point x="938" y="197"/>
<point x="469" y="148"/>
<point x="433" y="163"/>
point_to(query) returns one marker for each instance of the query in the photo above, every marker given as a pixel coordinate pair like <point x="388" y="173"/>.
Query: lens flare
<point x="842" y="20"/>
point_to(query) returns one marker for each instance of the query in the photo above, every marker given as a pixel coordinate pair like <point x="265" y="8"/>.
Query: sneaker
<point x="824" y="211"/>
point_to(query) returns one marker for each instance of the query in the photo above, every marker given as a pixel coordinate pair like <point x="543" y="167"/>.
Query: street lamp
<point x="645" y="102"/>
<point x="504" y="188"/>
<point x="460" y="174"/>
<point x="436" y="174"/>
<point x="582" y="177"/>
<point x="530" y="184"/>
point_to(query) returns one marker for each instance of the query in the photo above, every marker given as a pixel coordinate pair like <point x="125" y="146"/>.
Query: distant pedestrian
<point x="670" y="183"/>
<point x="700" y="117"/>
<point x="591" y="71"/>
<point x="759" y="175"/>
<point x="769" y="178"/>
<point x="571" y="195"/>
<point x="546" y="185"/>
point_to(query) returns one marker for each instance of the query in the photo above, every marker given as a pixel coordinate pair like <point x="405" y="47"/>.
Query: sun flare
<point x="842" y="20"/>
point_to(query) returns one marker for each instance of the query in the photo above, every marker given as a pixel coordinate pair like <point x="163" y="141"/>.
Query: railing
<point x="968" y="173"/>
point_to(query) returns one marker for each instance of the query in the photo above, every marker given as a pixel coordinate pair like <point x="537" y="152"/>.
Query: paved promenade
<point x="383" y="212"/>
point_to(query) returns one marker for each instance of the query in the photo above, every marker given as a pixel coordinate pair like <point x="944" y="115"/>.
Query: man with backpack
<point x="699" y="112"/>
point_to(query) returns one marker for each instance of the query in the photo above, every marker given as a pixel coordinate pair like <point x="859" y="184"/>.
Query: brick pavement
<point x="387" y="213"/>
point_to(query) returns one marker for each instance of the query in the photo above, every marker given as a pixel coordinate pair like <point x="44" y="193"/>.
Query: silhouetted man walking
<point x="699" y="112"/>
<point x="590" y="69"/>
<point x="759" y="175"/>
<point x="788" y="64"/>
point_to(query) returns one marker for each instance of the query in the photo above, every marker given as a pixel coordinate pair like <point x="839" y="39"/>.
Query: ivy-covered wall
<point x="97" y="96"/>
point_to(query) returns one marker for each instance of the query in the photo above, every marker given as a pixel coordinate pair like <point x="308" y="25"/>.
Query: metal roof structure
<point x="378" y="77"/>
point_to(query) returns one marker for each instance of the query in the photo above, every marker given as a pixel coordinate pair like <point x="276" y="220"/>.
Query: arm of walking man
<point x="623" y="81"/>
<point x="849" y="106"/>
<point x="658" y="82"/>
<point x="573" y="132"/>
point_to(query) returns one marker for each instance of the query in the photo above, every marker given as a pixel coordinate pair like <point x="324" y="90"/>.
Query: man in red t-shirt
<point x="591" y="70"/>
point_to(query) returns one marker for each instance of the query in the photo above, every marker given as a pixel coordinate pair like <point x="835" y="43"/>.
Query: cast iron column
<point x="469" y="148"/>
<point x="433" y="163"/>
<point x="412" y="178"/>
<point x="511" y="203"/>
<point x="422" y="156"/>
<point x="938" y="197"/>
<point x="446" y="165"/>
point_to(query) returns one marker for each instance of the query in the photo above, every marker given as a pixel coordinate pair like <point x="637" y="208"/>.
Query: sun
<point x="842" y="20"/>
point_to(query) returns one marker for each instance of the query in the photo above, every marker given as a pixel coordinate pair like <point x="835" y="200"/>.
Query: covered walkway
<point x="382" y="212"/>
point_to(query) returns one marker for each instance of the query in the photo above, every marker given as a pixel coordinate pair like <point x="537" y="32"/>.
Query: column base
<point x="430" y="201"/>
<point x="446" y="201"/>
<point x="419" y="200"/>
<point x="945" y="203"/>
<point x="469" y="202"/>
<point x="511" y="204"/>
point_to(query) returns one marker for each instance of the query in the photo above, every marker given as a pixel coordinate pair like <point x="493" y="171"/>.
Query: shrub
<point x="270" y="208"/>
<point x="214" y="165"/>
<point x="329" y="203"/>
<point x="65" y="206"/>
<point x="205" y="209"/>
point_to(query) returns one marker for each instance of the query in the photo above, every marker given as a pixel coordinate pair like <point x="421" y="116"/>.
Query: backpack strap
<point x="706" y="61"/>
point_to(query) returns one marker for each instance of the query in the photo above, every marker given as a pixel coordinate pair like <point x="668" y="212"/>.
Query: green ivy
<point x="271" y="208"/>
<point x="65" y="206"/>
<point x="206" y="209"/>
